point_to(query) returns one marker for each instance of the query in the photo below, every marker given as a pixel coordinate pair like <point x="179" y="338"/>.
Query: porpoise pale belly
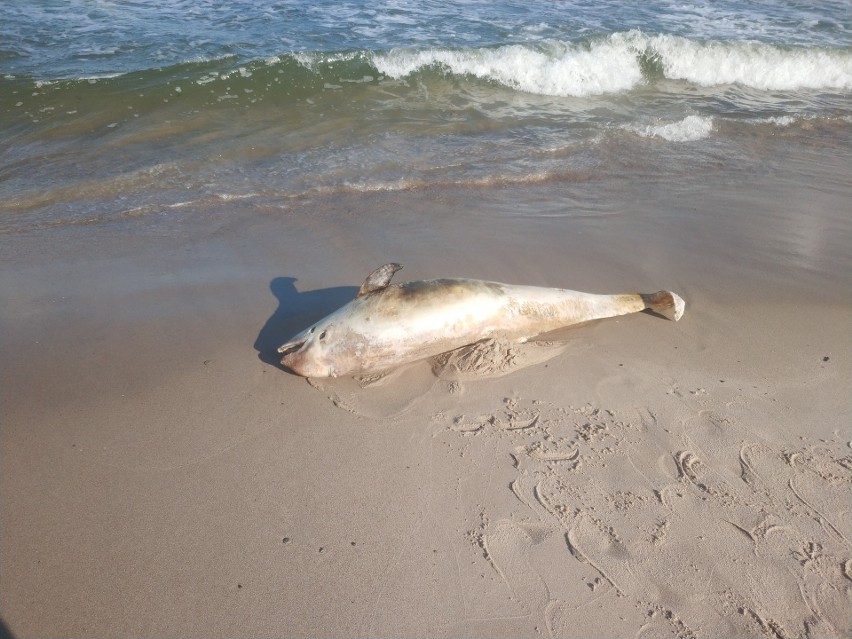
<point x="420" y="319"/>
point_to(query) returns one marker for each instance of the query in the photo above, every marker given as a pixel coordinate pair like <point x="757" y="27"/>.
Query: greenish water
<point x="116" y="109"/>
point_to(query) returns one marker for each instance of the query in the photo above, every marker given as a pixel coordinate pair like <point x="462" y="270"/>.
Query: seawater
<point x="110" y="109"/>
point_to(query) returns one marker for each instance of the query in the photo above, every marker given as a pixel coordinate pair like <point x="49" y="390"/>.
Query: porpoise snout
<point x="303" y="361"/>
<point x="293" y="353"/>
<point x="292" y="361"/>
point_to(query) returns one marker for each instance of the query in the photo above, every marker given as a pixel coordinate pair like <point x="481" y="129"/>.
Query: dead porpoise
<point x="388" y="325"/>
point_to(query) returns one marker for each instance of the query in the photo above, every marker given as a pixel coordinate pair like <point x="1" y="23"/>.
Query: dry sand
<point x="161" y="477"/>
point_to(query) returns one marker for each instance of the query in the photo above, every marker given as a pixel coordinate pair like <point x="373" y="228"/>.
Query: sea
<point x="117" y="109"/>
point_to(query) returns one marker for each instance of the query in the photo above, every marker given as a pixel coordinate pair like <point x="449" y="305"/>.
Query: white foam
<point x="691" y="128"/>
<point x="757" y="65"/>
<point x="612" y="65"/>
<point x="91" y="79"/>
<point x="230" y="197"/>
<point x="554" y="68"/>
<point x="780" y="120"/>
<point x="312" y="60"/>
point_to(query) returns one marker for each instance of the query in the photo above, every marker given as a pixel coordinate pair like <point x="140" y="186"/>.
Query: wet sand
<point x="162" y="476"/>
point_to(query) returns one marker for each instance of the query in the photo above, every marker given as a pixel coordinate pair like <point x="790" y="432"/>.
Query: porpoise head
<point x="311" y="353"/>
<point x="326" y="348"/>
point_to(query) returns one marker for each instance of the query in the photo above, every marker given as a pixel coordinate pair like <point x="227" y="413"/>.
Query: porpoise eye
<point x="323" y="334"/>
<point x="313" y="328"/>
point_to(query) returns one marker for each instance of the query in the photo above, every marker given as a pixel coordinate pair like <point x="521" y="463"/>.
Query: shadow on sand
<point x="5" y="633"/>
<point x="296" y="311"/>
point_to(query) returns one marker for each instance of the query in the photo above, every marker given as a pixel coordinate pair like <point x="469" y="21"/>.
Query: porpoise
<point x="387" y="325"/>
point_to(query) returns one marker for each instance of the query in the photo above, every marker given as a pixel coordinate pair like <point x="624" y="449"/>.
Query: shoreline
<point x="652" y="478"/>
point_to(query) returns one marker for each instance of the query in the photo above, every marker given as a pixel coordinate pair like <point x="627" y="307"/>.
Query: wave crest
<point x="756" y="65"/>
<point x="554" y="68"/>
<point x="622" y="61"/>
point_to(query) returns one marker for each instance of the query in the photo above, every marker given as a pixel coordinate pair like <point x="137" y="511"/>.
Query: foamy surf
<point x="552" y="68"/>
<point x="428" y="97"/>
<point x="756" y="65"/>
<point x="690" y="129"/>
<point x="624" y="60"/>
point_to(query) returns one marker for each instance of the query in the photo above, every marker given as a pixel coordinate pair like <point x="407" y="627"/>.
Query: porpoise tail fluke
<point x="665" y="303"/>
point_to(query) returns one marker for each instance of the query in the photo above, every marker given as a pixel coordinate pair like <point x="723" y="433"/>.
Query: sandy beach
<point x="162" y="476"/>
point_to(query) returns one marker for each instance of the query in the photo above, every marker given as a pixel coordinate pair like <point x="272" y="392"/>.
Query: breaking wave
<point x="625" y="60"/>
<point x="759" y="66"/>
<point x="615" y="64"/>
<point x="555" y="68"/>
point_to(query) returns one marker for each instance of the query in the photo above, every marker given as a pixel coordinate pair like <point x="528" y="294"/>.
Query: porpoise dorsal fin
<point x="379" y="278"/>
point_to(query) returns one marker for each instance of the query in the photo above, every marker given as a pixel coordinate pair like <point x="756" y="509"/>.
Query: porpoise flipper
<point x="379" y="278"/>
